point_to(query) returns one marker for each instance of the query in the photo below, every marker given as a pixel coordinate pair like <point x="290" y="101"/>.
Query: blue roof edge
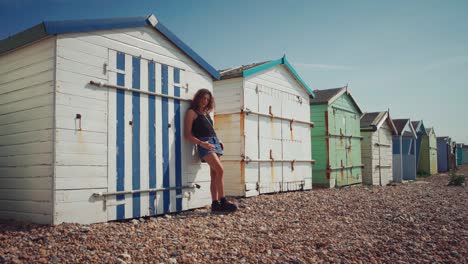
<point x="71" y="26"/>
<point x="274" y="63"/>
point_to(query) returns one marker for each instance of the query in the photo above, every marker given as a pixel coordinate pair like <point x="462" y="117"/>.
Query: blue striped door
<point x="147" y="137"/>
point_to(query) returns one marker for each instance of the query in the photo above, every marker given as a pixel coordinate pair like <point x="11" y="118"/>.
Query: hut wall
<point x="229" y="126"/>
<point x="424" y="166"/>
<point x="338" y="158"/>
<point x="465" y="155"/>
<point x="459" y="154"/>
<point x="433" y="153"/>
<point x="90" y="159"/>
<point x="383" y="156"/>
<point x="397" y="168"/>
<point x="367" y="150"/>
<point x="409" y="158"/>
<point x="26" y="132"/>
<point x="279" y="93"/>
<point x="320" y="143"/>
<point x="344" y="151"/>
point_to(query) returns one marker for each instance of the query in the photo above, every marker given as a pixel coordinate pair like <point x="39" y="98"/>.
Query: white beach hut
<point x="91" y="121"/>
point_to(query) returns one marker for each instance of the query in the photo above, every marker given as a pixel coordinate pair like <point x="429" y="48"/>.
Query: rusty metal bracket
<point x="271" y="155"/>
<point x="291" y="124"/>
<point x="247" y="111"/>
<point x="292" y="164"/>
<point x="78" y="117"/>
<point x="270" y="111"/>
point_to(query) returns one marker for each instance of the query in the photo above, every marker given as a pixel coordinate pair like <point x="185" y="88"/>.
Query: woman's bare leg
<point x="214" y="191"/>
<point x="218" y="181"/>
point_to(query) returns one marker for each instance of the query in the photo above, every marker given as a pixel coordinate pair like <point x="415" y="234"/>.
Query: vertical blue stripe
<point x="165" y="137"/>
<point x="152" y="136"/>
<point x="178" y="147"/>
<point x="120" y="137"/>
<point x="136" y="136"/>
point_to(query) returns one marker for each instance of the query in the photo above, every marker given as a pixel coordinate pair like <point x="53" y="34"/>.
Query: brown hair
<point x="195" y="104"/>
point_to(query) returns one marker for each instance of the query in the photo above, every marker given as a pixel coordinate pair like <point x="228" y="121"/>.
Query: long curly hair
<point x="195" y="104"/>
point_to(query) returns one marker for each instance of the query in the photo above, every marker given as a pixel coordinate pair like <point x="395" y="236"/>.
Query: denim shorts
<point x="202" y="152"/>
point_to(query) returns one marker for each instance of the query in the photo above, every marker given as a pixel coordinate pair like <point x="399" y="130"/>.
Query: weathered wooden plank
<point x="27" y="115"/>
<point x="30" y="183"/>
<point x="26" y="171"/>
<point x="28" y="148"/>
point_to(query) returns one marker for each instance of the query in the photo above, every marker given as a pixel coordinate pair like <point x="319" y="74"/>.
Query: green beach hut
<point x="428" y="159"/>
<point x="336" y="138"/>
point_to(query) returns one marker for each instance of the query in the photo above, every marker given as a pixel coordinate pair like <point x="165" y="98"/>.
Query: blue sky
<point x="409" y="56"/>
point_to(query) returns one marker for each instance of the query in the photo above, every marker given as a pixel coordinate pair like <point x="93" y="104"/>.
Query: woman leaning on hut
<point x="200" y="131"/>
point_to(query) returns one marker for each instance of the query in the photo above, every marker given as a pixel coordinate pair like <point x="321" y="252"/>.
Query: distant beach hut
<point x="336" y="138"/>
<point x="377" y="129"/>
<point x="428" y="159"/>
<point x="465" y="155"/>
<point x="418" y="126"/>
<point x="404" y="151"/>
<point x="459" y="154"/>
<point x="443" y="153"/>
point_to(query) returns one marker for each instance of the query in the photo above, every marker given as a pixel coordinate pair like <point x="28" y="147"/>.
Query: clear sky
<point x="409" y="56"/>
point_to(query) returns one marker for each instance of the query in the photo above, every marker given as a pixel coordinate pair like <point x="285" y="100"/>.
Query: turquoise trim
<point x="274" y="63"/>
<point x="293" y="71"/>
<point x="262" y="67"/>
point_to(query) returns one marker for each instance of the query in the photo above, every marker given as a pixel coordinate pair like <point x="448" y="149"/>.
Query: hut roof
<point x="418" y="126"/>
<point x="238" y="71"/>
<point x="253" y="68"/>
<point x="327" y="96"/>
<point x="48" y="28"/>
<point x="400" y="125"/>
<point x="373" y="121"/>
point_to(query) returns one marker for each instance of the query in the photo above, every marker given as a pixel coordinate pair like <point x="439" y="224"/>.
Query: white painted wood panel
<point x="24" y="72"/>
<point x="27" y="115"/>
<point x="29" y="183"/>
<point x="26" y="217"/>
<point x="80" y="177"/>
<point x="26" y="137"/>
<point x="30" y="81"/>
<point x="29" y="103"/>
<point x="25" y="149"/>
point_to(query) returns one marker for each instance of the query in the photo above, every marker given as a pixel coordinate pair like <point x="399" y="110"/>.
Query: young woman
<point x="199" y="130"/>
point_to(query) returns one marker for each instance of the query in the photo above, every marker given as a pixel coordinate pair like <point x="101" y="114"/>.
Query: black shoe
<point x="227" y="206"/>
<point x="216" y="206"/>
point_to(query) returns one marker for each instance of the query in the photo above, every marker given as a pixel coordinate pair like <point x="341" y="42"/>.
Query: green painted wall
<point x="428" y="162"/>
<point x="320" y="152"/>
<point x="433" y="153"/>
<point x="424" y="167"/>
<point x="343" y="118"/>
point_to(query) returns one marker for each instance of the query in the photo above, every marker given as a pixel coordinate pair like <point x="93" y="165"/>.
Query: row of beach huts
<point x="91" y="127"/>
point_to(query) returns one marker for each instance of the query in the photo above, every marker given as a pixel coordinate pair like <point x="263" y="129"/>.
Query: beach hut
<point x="377" y="130"/>
<point x="453" y="156"/>
<point x="443" y="153"/>
<point x="92" y="120"/>
<point x="336" y="138"/>
<point x="420" y="129"/>
<point x="404" y="151"/>
<point x="459" y="154"/>
<point x="465" y="155"/>
<point x="262" y="116"/>
<point x="428" y="159"/>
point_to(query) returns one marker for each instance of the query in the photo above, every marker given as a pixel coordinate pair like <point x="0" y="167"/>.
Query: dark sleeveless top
<point x="202" y="126"/>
